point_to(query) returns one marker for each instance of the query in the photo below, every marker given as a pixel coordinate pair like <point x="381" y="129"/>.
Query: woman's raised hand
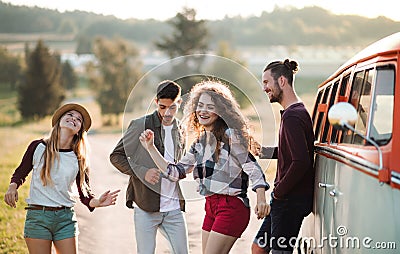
<point x="147" y="138"/>
<point x="106" y="199"/>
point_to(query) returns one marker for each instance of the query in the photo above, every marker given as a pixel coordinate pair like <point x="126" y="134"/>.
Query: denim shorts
<point x="51" y="225"/>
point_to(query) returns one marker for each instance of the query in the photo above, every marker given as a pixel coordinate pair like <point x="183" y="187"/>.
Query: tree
<point x="84" y="45"/>
<point x="189" y="37"/>
<point x="10" y="69"/>
<point x="40" y="94"/>
<point x="113" y="76"/>
<point x="237" y="75"/>
<point x="67" y="27"/>
<point x="69" y="79"/>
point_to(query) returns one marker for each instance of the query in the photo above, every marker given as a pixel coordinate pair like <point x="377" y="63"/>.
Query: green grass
<point x="12" y="219"/>
<point x="6" y="92"/>
<point x="15" y="137"/>
<point x="9" y="114"/>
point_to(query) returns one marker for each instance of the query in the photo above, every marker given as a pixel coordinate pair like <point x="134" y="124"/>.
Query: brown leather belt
<point x="46" y="208"/>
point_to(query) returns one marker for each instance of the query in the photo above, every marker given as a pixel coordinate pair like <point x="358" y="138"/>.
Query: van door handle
<point x="333" y="193"/>
<point x="325" y="185"/>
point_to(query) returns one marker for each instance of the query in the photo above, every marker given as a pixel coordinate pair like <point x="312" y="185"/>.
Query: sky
<point x="212" y="9"/>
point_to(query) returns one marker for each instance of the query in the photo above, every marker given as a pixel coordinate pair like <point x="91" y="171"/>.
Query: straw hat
<point x="87" y="121"/>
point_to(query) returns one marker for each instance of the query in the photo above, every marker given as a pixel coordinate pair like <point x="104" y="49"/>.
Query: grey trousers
<point x="172" y="226"/>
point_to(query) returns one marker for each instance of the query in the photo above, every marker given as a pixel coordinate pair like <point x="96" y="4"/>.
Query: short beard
<point x="161" y="118"/>
<point x="276" y="97"/>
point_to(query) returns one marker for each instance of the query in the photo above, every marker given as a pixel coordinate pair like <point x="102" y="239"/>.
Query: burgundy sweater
<point x="295" y="172"/>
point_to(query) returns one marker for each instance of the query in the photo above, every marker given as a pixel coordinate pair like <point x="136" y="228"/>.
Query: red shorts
<point x="226" y="215"/>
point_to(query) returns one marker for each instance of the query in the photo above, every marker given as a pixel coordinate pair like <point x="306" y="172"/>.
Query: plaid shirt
<point x="229" y="175"/>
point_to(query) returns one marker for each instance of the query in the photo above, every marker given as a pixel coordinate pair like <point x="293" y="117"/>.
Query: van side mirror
<point x="343" y="116"/>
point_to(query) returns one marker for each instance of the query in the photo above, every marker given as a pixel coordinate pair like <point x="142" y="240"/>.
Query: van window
<point x="382" y="109"/>
<point x="317" y="101"/>
<point x="372" y="94"/>
<point x="363" y="108"/>
<point x="343" y="85"/>
<point x="342" y="92"/>
<point x="321" y="112"/>
<point x="360" y="98"/>
<point x="331" y="102"/>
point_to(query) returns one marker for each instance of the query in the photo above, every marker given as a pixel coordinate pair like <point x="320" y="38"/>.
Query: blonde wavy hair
<point x="51" y="154"/>
<point x="227" y="109"/>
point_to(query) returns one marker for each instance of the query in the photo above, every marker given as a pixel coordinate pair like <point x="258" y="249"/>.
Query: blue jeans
<point x="172" y="226"/>
<point x="281" y="227"/>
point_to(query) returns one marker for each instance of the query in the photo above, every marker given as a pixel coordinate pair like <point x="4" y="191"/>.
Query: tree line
<point x="41" y="79"/>
<point x="306" y="26"/>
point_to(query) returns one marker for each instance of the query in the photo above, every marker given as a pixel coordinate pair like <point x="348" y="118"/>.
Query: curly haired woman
<point x="221" y="163"/>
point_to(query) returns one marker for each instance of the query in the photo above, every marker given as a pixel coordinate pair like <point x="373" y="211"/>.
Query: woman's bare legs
<point x="66" y="246"/>
<point x="216" y="243"/>
<point x="38" y="246"/>
<point x="204" y="239"/>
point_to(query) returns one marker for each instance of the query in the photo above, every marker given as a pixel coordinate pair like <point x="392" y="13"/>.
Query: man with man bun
<point x="292" y="196"/>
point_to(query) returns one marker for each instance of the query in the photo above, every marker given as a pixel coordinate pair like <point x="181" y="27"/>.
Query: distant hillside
<point x="307" y="26"/>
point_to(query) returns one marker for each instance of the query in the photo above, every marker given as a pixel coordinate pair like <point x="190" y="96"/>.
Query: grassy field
<point x="13" y="144"/>
<point x="14" y="139"/>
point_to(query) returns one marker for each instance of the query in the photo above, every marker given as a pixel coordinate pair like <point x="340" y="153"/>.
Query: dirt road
<point x="110" y="230"/>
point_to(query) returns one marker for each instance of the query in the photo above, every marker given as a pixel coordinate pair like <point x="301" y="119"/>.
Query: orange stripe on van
<point x="343" y="98"/>
<point x="322" y="107"/>
<point x="384" y="175"/>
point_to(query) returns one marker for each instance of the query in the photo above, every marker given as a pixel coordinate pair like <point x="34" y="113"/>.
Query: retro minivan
<point x="357" y="186"/>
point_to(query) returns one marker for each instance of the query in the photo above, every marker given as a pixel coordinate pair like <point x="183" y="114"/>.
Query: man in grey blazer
<point x="158" y="202"/>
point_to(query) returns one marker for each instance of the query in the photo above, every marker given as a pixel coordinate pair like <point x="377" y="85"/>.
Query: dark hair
<point x="285" y="68"/>
<point x="168" y="89"/>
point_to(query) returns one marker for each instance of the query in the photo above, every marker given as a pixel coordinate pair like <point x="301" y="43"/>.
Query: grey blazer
<point x="131" y="158"/>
